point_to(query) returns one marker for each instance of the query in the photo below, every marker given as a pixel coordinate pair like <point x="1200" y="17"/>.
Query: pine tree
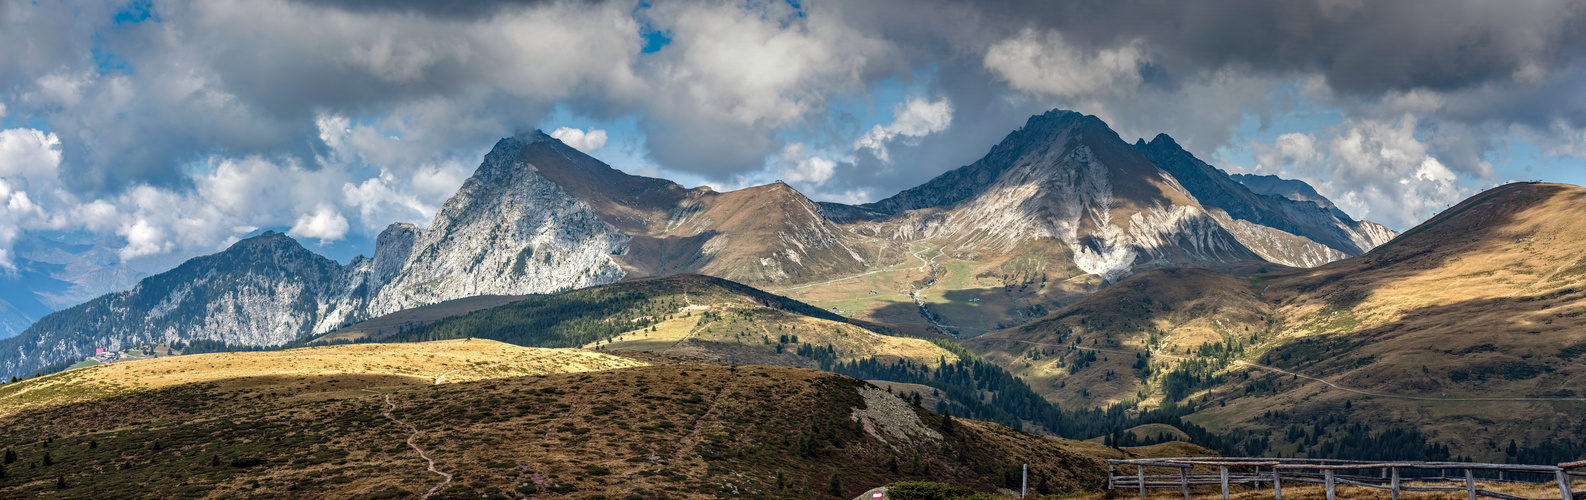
<point x="835" y="487"/>
<point x="947" y="422"/>
<point x="11" y="456"/>
<point x="93" y="444"/>
<point x="214" y="461"/>
<point x="60" y="482"/>
<point x="48" y="460"/>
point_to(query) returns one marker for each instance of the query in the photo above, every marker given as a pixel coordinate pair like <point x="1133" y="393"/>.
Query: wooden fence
<point x="1331" y="473"/>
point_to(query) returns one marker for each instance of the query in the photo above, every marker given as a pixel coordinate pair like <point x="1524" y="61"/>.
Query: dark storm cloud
<point x="1360" y="46"/>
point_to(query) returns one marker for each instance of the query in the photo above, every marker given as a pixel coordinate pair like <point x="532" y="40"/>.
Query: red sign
<point x="878" y="495"/>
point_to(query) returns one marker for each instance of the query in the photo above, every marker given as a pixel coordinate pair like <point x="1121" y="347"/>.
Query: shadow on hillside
<point x="1476" y="222"/>
<point x="1482" y="346"/>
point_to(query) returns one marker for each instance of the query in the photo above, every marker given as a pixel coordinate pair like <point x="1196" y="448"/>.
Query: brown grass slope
<point x="1482" y="302"/>
<point x="654" y="431"/>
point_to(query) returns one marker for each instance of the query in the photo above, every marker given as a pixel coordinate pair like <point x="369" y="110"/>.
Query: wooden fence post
<point x="1224" y="470"/>
<point x="1328" y="473"/>
<point x="1277" y="484"/>
<point x="1470" y="483"/>
<point x="1563" y="483"/>
<point x="1141" y="474"/>
<point x="1256" y="478"/>
<point x="1110" y="471"/>
<point x="1395" y="483"/>
<point x="1183" y="481"/>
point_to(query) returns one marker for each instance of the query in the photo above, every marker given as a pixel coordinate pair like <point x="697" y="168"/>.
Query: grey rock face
<point x="507" y="231"/>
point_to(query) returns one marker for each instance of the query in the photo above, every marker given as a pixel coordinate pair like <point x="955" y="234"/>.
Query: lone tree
<point x="11" y="456"/>
<point x="947" y="422"/>
<point x="48" y="460"/>
<point x="835" y="487"/>
<point x="60" y="482"/>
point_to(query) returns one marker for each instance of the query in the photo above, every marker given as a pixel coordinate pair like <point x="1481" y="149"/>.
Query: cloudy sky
<point x="168" y="129"/>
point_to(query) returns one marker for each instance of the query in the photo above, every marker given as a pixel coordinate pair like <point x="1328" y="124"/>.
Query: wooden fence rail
<point x="1330" y="474"/>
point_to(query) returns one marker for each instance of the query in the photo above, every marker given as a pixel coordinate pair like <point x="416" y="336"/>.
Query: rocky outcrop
<point x="507" y="231"/>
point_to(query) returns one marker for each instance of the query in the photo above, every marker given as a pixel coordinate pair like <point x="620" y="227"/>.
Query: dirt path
<point x="414" y="435"/>
<point x="686" y="445"/>
<point x="686" y="336"/>
<point x="1307" y="377"/>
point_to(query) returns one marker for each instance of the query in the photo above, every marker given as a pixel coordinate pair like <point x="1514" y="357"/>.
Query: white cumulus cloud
<point x="325" y="224"/>
<point x="1372" y="169"/>
<point x="912" y="119"/>
<point x="581" y="140"/>
<point x="797" y="166"/>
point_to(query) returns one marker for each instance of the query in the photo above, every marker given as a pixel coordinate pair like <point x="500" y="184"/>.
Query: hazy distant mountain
<point x="1293" y="189"/>
<point x="55" y="273"/>
<point x="1267" y="224"/>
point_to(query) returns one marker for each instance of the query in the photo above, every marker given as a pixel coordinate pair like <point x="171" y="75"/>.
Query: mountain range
<point x="55" y="272"/>
<point x="1063" y="198"/>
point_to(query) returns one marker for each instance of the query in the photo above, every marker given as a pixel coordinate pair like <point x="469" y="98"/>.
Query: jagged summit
<point x="1293" y="189"/>
<point x="967" y="181"/>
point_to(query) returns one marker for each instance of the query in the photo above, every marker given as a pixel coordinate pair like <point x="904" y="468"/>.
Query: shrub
<point x="246" y="462"/>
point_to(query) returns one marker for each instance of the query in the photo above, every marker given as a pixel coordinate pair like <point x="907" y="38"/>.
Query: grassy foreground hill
<point x="1468" y="330"/>
<point x="371" y="421"/>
